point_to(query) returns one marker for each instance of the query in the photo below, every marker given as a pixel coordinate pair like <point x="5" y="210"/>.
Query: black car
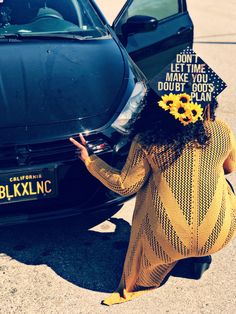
<point x="65" y="70"/>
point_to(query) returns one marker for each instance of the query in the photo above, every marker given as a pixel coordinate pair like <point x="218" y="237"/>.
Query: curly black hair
<point x="156" y="126"/>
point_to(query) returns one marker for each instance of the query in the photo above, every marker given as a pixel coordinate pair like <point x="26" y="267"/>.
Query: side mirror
<point x="139" y="24"/>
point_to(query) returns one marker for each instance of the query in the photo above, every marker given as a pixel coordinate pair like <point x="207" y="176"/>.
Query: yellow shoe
<point x="114" y="298"/>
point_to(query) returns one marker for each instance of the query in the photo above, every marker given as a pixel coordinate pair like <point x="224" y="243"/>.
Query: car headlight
<point x="131" y="109"/>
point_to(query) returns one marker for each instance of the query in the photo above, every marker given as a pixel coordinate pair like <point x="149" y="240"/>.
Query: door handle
<point x="183" y="30"/>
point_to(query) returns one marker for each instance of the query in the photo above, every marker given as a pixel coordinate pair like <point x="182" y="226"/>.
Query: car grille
<point x="58" y="151"/>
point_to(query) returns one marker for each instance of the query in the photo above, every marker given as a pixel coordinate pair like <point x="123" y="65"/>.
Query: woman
<point x="184" y="206"/>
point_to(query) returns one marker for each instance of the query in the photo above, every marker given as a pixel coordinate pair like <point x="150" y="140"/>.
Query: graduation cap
<point x="188" y="73"/>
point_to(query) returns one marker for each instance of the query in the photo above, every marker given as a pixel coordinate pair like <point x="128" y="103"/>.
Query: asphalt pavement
<point x="54" y="267"/>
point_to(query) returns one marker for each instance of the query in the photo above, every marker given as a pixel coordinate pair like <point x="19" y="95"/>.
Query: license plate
<point x="28" y="185"/>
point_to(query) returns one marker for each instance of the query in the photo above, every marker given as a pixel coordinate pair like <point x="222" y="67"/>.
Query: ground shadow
<point x="89" y="259"/>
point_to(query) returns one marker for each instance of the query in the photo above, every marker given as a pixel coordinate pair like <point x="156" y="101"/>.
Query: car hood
<point x="67" y="85"/>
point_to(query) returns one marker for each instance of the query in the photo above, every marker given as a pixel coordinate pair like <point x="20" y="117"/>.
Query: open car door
<point x="154" y="31"/>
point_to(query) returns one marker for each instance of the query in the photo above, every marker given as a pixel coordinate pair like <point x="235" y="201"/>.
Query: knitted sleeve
<point x="230" y="162"/>
<point x="127" y="181"/>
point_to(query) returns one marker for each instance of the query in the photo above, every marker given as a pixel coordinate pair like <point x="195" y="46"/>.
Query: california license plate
<point x="28" y="185"/>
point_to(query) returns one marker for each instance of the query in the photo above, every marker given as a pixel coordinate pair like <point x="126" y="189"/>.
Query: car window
<point x="50" y="16"/>
<point x="160" y="9"/>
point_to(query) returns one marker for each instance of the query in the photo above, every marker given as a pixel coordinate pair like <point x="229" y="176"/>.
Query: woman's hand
<point x="82" y="147"/>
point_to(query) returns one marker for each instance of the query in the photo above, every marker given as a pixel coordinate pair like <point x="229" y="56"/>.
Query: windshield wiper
<point x="10" y="35"/>
<point x="20" y="35"/>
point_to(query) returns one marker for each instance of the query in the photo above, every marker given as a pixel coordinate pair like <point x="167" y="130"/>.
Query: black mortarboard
<point x="188" y="73"/>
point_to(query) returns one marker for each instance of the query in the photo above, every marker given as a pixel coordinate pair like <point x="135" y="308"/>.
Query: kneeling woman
<point x="184" y="206"/>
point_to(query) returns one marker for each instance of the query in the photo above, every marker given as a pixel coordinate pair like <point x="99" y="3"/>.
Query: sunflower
<point x="181" y="110"/>
<point x="184" y="98"/>
<point x="196" y="112"/>
<point x="167" y="101"/>
<point x="186" y="121"/>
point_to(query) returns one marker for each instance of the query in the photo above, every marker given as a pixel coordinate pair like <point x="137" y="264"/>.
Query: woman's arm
<point x="230" y="162"/>
<point x="127" y="181"/>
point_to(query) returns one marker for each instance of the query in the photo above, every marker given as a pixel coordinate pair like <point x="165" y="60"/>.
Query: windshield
<point x="44" y="17"/>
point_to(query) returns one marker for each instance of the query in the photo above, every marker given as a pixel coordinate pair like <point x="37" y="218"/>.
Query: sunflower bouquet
<point x="181" y="107"/>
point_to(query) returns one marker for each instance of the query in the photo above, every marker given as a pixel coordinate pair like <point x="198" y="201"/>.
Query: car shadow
<point x="87" y="258"/>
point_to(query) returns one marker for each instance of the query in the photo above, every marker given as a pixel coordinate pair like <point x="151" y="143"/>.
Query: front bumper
<point x="79" y="193"/>
<point x="110" y="207"/>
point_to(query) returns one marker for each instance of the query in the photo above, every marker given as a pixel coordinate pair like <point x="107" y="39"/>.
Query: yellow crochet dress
<point x="187" y="210"/>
